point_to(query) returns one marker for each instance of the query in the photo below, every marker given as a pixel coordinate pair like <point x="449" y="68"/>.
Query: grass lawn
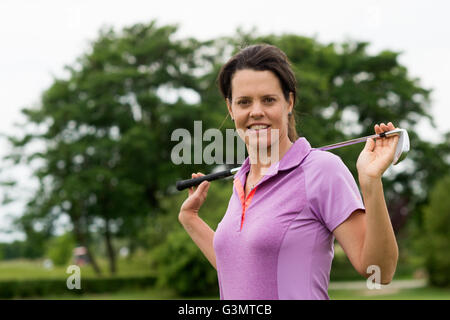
<point x="425" y="293"/>
<point x="26" y="269"/>
<point x="34" y="269"/>
<point x="145" y="294"/>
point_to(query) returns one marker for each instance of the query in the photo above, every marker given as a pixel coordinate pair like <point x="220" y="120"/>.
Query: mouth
<point x="258" y="127"/>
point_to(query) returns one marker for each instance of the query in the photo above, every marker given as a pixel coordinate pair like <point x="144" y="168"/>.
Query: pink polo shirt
<point x="277" y="243"/>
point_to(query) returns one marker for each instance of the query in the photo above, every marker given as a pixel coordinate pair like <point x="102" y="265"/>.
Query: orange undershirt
<point x="245" y="202"/>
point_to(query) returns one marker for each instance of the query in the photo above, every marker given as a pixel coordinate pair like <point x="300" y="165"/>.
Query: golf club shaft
<point x="183" y="184"/>
<point x="359" y="140"/>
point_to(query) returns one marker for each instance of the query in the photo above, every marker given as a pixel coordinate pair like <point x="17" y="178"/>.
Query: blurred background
<point x="91" y="92"/>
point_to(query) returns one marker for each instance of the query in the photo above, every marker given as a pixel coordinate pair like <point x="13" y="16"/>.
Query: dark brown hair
<point x="262" y="57"/>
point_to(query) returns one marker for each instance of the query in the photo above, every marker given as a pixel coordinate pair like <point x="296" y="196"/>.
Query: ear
<point x="230" y="110"/>
<point x="291" y="102"/>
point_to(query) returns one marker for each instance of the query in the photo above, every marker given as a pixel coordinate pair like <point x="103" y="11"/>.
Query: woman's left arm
<point x="368" y="239"/>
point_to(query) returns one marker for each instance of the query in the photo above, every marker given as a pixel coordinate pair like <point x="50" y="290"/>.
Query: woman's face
<point x="257" y="99"/>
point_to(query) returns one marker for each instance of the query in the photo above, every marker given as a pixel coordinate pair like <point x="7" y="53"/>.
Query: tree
<point x="436" y="239"/>
<point x="105" y="131"/>
<point x="60" y="248"/>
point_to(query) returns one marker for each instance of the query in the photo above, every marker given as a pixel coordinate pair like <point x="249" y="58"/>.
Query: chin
<point x="258" y="143"/>
<point x="262" y="142"/>
<point x="263" y="139"/>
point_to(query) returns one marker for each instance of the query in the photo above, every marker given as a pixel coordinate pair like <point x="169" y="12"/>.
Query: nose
<point x="257" y="110"/>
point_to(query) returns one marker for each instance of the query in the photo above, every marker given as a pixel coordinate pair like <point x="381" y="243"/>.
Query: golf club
<point x="400" y="154"/>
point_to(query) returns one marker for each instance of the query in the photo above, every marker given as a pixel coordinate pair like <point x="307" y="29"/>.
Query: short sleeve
<point x="331" y="190"/>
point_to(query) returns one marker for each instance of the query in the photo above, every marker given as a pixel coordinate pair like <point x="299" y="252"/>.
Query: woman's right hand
<point x="191" y="206"/>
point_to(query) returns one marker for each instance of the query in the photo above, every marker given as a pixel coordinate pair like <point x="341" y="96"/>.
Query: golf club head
<point x="402" y="147"/>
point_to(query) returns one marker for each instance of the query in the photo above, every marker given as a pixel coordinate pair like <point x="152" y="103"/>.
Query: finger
<point x="391" y="126"/>
<point x="392" y="141"/>
<point x="378" y="131"/>
<point x="391" y="146"/>
<point x="191" y="189"/>
<point x="195" y="175"/>
<point x="202" y="189"/>
<point x="370" y="145"/>
<point x="205" y="186"/>
<point x="198" y="175"/>
<point x="384" y="128"/>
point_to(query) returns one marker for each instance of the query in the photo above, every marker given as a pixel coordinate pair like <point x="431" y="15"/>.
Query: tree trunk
<point x="93" y="261"/>
<point x="81" y="239"/>
<point x="109" y="248"/>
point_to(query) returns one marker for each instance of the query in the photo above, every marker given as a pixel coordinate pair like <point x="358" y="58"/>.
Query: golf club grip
<point x="183" y="184"/>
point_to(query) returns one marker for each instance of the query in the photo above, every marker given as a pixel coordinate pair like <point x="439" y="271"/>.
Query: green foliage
<point x="341" y="268"/>
<point x="60" y="249"/>
<point x="23" y="249"/>
<point x="179" y="263"/>
<point x="436" y="239"/>
<point x="11" y="250"/>
<point x="182" y="267"/>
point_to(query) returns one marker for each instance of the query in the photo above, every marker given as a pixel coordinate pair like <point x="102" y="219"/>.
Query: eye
<point x="243" y="102"/>
<point x="269" y="99"/>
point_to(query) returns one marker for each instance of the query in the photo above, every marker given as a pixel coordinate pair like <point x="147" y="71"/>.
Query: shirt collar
<point x="292" y="158"/>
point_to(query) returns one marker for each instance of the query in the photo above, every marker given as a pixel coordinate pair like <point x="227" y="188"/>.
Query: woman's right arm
<point x="198" y="230"/>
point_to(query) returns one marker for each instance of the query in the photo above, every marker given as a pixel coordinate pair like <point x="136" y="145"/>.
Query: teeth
<point x="258" y="127"/>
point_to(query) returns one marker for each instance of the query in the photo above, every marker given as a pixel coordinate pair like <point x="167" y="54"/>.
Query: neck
<point x="259" y="166"/>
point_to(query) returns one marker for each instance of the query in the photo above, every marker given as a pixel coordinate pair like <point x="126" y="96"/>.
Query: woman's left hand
<point x="377" y="156"/>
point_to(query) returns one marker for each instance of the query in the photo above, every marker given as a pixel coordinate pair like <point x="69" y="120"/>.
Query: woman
<point x="276" y="238"/>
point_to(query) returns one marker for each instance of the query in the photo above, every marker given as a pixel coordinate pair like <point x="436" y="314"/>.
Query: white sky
<point x="37" y="38"/>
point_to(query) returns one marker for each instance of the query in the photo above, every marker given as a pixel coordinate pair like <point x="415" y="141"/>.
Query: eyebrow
<point x="264" y="96"/>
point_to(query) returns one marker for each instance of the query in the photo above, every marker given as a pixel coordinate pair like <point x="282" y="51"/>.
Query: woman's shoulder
<point x="322" y="161"/>
<point x="323" y="167"/>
